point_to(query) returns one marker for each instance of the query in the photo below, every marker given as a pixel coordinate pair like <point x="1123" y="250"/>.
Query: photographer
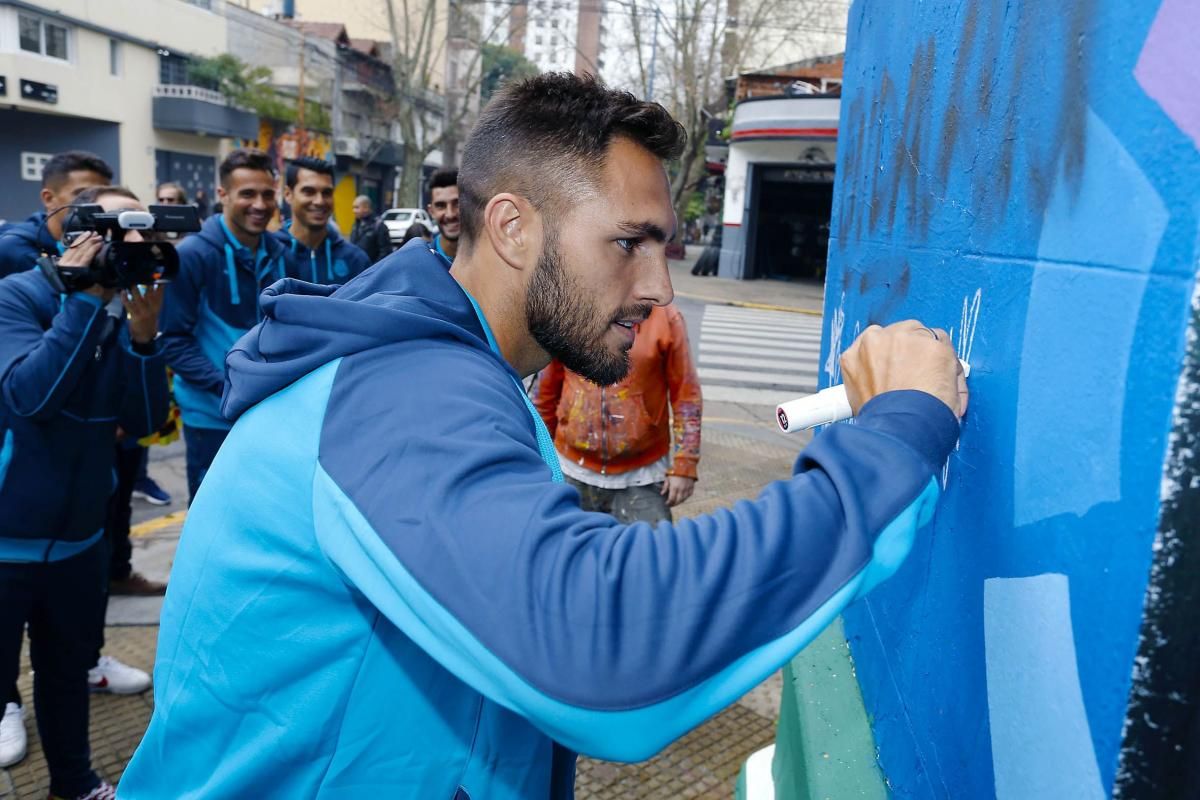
<point x="72" y="370"/>
<point x="63" y="178"/>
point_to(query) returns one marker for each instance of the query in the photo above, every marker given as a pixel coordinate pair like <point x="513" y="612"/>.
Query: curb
<point x="748" y="304"/>
<point x="157" y="524"/>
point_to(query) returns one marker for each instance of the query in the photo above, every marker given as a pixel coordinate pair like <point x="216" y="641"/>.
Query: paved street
<point x="749" y="359"/>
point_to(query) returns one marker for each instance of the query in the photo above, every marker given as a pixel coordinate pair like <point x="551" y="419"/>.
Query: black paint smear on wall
<point x="897" y="293"/>
<point x="1160" y="754"/>
<point x="973" y="122"/>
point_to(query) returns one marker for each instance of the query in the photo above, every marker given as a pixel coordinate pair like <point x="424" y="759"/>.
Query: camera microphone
<point x="135" y="220"/>
<point x="823" y="408"/>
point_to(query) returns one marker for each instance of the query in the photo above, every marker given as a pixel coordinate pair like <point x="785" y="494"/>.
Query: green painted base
<point x="824" y="749"/>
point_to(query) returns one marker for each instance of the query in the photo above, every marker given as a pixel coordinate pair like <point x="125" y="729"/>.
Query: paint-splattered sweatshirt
<point x="618" y="428"/>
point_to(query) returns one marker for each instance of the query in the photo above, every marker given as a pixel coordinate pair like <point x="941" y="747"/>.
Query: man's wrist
<point x="144" y="346"/>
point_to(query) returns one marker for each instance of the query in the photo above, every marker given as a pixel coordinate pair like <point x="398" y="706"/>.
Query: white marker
<point x="825" y="407"/>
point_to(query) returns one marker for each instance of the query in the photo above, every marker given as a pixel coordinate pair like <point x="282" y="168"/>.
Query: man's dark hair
<point x="292" y="174"/>
<point x="245" y="158"/>
<point x="94" y="193"/>
<point x="56" y="170"/>
<point x="544" y="136"/>
<point x="443" y="178"/>
<point x="414" y="231"/>
<point x="176" y="186"/>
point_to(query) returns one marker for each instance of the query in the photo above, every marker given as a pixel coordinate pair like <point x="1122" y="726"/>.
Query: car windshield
<point x="398" y="216"/>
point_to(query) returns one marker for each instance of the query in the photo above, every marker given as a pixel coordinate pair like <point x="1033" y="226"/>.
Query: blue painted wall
<point x="1027" y="174"/>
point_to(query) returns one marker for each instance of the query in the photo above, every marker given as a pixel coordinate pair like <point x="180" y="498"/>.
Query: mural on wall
<point x="284" y="142"/>
<point x="1028" y="175"/>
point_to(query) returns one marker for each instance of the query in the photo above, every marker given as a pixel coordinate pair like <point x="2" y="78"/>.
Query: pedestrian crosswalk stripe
<point x="785" y="353"/>
<point x="737" y="394"/>
<point x="766" y="344"/>
<point x="748" y="313"/>
<point x="751" y="330"/>
<point x="779" y="364"/>
<point x="762" y="316"/>
<point x="757" y="358"/>
<point x="744" y="377"/>
<point x="757" y="335"/>
<point x="793" y="322"/>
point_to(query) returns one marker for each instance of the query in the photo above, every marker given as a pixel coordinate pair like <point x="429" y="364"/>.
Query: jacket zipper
<point x="603" y="433"/>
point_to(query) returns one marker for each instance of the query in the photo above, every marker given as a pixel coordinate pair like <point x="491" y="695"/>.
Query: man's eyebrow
<point x="645" y="230"/>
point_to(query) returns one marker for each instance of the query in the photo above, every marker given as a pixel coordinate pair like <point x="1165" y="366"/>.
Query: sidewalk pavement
<point x="703" y="764"/>
<point x="804" y="297"/>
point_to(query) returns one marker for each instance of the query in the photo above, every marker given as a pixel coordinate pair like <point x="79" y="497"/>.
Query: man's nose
<point x="654" y="279"/>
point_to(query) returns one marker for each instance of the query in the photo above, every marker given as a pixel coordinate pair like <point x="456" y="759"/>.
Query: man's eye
<point x="627" y="244"/>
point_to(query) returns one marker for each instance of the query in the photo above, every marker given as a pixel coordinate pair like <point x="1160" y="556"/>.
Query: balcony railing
<point x="190" y="93"/>
<point x="194" y="109"/>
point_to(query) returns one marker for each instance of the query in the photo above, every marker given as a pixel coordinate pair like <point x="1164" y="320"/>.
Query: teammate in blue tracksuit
<point x="214" y="300"/>
<point x="316" y="251"/>
<point x="385" y="589"/>
<point x="71" y="371"/>
<point x="444" y="208"/>
<point x="63" y="177"/>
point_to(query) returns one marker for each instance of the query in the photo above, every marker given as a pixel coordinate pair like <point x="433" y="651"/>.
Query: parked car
<point x="397" y="221"/>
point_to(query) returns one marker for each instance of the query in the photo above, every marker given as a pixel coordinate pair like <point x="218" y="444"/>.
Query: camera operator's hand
<point x="81" y="253"/>
<point x="906" y="355"/>
<point x="143" y="311"/>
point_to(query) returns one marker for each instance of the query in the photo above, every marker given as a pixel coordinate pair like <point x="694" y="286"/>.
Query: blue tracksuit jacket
<point x="333" y="263"/>
<point x="22" y="243"/>
<point x="212" y="302"/>
<point x="381" y="590"/>
<point x="68" y="377"/>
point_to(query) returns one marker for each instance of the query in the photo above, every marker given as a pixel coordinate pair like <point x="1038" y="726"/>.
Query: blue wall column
<point x="1023" y="175"/>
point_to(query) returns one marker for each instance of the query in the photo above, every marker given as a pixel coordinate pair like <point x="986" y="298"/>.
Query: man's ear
<point x="47" y="198"/>
<point x="513" y="229"/>
<point x="221" y="193"/>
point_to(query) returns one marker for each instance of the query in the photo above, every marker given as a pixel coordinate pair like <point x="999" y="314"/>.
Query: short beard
<point x="568" y="326"/>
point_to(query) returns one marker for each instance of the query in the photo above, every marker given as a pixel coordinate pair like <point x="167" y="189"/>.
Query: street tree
<point x="437" y="59"/>
<point x="502" y="64"/>
<point x="680" y="53"/>
<point x="250" y="87"/>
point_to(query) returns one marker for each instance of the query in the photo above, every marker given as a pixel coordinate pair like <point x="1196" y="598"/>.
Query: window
<point x="43" y="37"/>
<point x="172" y="70"/>
<point x="537" y="40"/>
<point x="32" y="164"/>
<point x="553" y="23"/>
<point x="114" y="57"/>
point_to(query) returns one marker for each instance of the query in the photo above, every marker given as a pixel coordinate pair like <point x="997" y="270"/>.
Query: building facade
<point x="556" y="35"/>
<point x="779" y="187"/>
<point x="80" y="75"/>
<point x="348" y="78"/>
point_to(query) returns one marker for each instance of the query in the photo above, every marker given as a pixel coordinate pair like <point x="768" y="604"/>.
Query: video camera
<point x="121" y="264"/>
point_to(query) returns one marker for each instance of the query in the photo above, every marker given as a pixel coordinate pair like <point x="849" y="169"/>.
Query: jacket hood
<point x="212" y="233"/>
<point x="408" y="295"/>
<point x="32" y="231"/>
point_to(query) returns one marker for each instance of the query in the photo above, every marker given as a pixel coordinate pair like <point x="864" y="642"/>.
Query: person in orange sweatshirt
<point x="615" y="442"/>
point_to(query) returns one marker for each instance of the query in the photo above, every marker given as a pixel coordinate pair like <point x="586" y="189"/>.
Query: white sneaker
<point x="12" y="735"/>
<point x="110" y="675"/>
<point x="105" y="791"/>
